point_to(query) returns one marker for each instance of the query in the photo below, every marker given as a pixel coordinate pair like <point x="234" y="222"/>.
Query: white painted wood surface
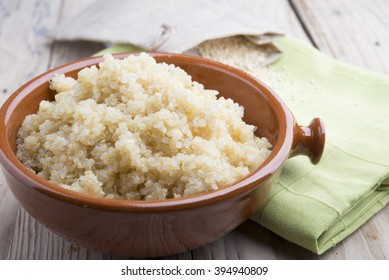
<point x="352" y="31"/>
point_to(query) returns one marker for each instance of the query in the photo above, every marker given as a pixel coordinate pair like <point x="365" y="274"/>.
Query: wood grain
<point x="31" y="240"/>
<point x="356" y="31"/>
<point x="353" y="31"/>
<point x="22" y="56"/>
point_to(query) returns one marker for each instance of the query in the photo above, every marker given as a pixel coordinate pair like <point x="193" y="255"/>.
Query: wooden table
<point x="356" y="32"/>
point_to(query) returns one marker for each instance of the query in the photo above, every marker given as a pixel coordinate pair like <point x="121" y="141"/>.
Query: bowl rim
<point x="280" y="151"/>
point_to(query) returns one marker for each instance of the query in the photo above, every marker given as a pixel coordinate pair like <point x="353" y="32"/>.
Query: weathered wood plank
<point x="355" y="32"/>
<point x="8" y="212"/>
<point x="31" y="240"/>
<point x="352" y="31"/>
<point x="30" y="20"/>
<point x="21" y="237"/>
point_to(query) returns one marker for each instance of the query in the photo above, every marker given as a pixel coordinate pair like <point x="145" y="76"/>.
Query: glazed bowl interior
<point x="262" y="108"/>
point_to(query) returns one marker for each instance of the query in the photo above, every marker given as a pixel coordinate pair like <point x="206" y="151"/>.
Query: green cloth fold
<point x="317" y="206"/>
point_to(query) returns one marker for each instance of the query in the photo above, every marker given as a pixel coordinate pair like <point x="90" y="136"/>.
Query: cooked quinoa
<point x="136" y="129"/>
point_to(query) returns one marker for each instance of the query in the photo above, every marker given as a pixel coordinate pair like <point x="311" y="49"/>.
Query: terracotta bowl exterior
<point x="158" y="227"/>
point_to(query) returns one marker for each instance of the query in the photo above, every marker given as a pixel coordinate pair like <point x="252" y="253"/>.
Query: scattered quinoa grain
<point x="241" y="53"/>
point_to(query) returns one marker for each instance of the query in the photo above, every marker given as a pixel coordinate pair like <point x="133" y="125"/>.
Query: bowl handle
<point x="309" y="140"/>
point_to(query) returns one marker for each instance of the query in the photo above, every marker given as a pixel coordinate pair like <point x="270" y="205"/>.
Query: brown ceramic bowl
<point x="159" y="227"/>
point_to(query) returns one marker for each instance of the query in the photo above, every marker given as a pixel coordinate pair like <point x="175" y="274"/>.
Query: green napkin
<point x="317" y="206"/>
